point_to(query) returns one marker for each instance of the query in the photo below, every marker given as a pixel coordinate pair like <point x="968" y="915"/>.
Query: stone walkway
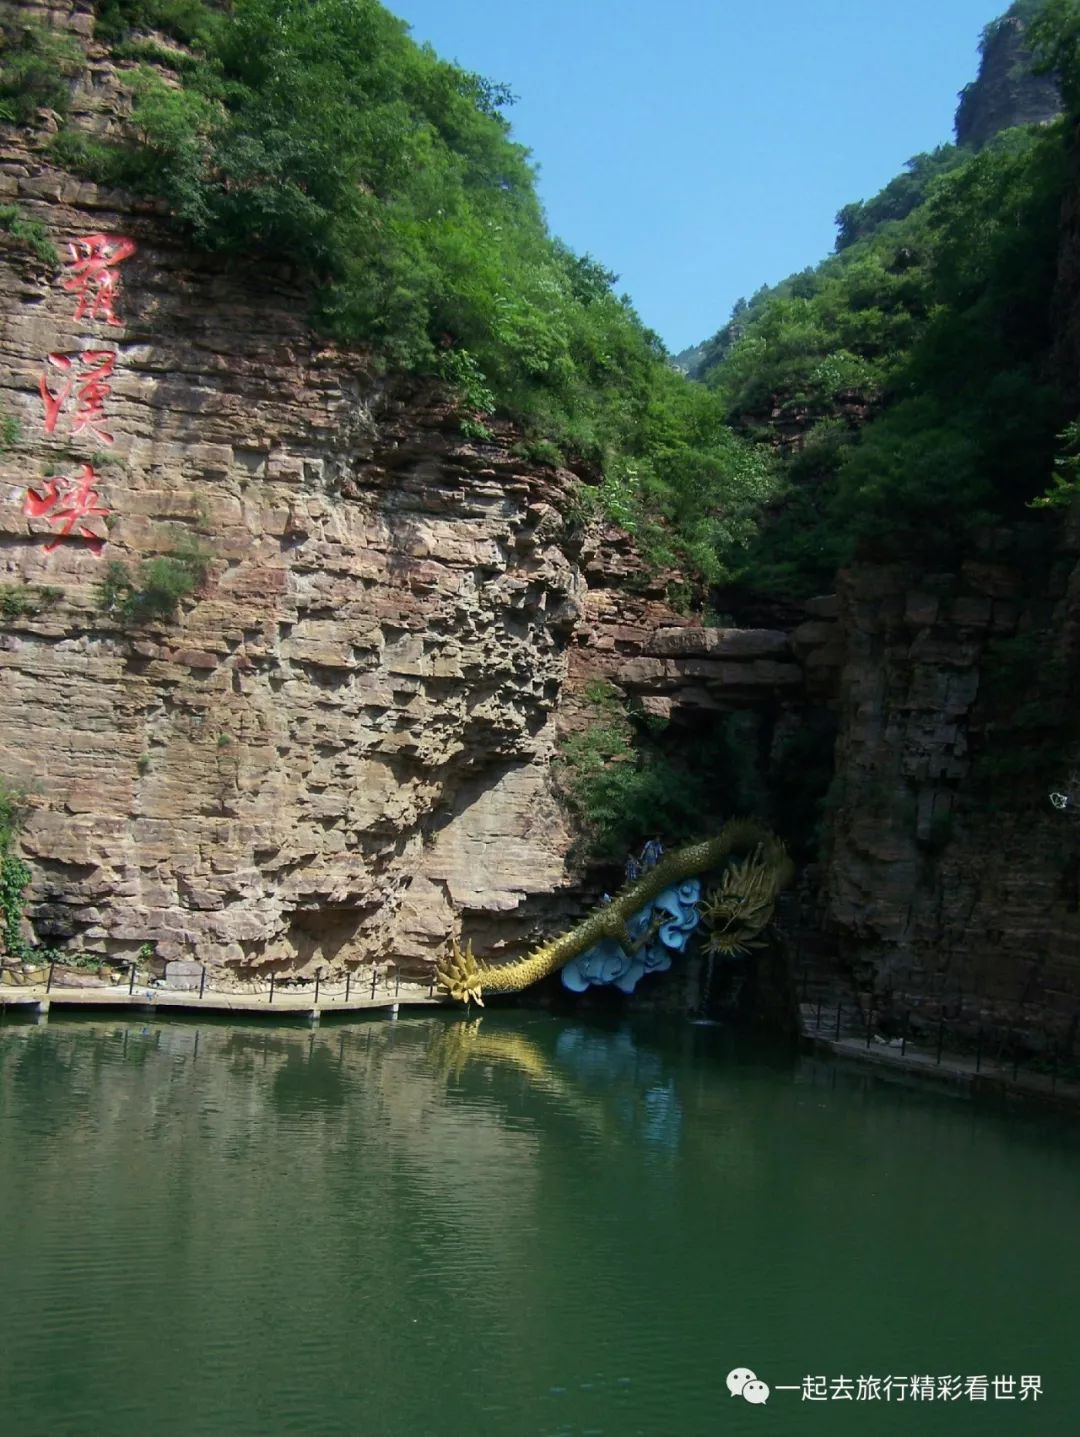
<point x="286" y="1002"/>
<point x="974" y="1077"/>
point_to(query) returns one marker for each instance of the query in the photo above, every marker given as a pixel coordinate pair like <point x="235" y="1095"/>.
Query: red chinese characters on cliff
<point x="79" y="382"/>
<point x="92" y="274"/>
<point x="69" y="505"/>
<point x="90" y="393"/>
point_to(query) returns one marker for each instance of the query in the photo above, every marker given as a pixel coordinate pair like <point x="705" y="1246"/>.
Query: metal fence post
<point x="318" y="980"/>
<point x="272" y="977"/>
<point x="374" y="979"/>
<point x="48" y="980"/>
<point x="131" y="984"/>
<point x="202" y="981"/>
<point x="348" y="984"/>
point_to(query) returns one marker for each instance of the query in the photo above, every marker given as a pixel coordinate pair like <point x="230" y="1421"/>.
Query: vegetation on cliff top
<point x="909" y="380"/>
<point x="900" y="393"/>
<point x="319" y="135"/>
<point x="36" y="64"/>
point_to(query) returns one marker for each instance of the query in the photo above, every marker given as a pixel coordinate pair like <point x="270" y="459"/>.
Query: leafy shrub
<point x="29" y="234"/>
<point x="1065" y="484"/>
<point x="14" y="874"/>
<point x="10" y="432"/>
<point x="322" y="136"/>
<point x="626" y="777"/>
<point x="14" y="877"/>
<point x="114" y="163"/>
<point x="13" y="808"/>
<point x="36" y="64"/>
<point x="20" y="600"/>
<point x="463" y="374"/>
<point x="192" y="22"/>
<point x="156" y="589"/>
<point x="541" y="451"/>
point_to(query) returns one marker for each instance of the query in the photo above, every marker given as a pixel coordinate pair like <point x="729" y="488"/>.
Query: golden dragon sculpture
<point x="736" y="911"/>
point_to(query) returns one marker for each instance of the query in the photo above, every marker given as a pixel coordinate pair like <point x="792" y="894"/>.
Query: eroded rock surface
<point x="341" y="748"/>
<point x="949" y="875"/>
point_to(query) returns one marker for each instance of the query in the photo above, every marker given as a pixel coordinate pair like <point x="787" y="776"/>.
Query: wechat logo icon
<point x="741" y="1382"/>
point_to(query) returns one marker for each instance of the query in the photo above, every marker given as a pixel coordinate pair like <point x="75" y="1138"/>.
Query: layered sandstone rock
<point x="342" y="743"/>
<point x="341" y="748"/>
<point x="950" y="877"/>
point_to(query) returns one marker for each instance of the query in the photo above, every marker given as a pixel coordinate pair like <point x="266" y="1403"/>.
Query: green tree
<point x="320" y="135"/>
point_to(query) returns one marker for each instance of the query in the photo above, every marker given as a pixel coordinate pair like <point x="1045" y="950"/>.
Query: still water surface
<point x="524" y="1227"/>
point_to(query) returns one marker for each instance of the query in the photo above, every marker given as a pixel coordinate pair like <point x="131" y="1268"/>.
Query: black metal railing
<point x="1028" y="1040"/>
<point x="386" y="982"/>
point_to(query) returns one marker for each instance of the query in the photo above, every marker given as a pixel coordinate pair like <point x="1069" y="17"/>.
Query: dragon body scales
<point x="751" y="885"/>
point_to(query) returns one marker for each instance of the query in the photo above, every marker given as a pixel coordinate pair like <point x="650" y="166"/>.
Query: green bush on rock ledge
<point x="321" y="136"/>
<point x="36" y="64"/>
<point x="28" y="234"/>
<point x="14" y="874"/>
<point x="156" y="589"/>
<point x="20" y="601"/>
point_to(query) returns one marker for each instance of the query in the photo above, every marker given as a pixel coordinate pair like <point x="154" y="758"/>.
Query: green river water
<point x="527" y="1227"/>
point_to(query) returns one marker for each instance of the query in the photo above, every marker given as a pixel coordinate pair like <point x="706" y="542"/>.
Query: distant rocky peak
<point x="1006" y="92"/>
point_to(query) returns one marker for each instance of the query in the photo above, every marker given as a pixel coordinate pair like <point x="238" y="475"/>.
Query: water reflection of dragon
<point x="756" y="865"/>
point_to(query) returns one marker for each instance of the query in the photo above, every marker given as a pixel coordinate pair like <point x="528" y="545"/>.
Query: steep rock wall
<point x="342" y="745"/>
<point x="340" y="748"/>
<point x="948" y="874"/>
<point x="1006" y="91"/>
<point x="326" y="751"/>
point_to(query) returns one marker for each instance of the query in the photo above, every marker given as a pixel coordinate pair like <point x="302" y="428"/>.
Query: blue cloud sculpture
<point x="657" y="932"/>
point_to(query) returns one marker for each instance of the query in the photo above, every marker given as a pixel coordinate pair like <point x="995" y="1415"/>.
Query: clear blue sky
<point x="700" y="148"/>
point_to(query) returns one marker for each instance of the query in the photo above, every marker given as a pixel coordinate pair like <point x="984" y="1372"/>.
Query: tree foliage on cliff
<point x="1054" y="36"/>
<point x="35" y="66"/>
<point x="317" y="133"/>
<point x="899" y="197"/>
<point x="914" y="367"/>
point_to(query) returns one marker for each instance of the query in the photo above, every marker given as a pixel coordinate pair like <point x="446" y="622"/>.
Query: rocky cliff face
<point x="340" y="748"/>
<point x="949" y="875"/>
<point x="340" y="744"/>
<point x="1006" y="92"/>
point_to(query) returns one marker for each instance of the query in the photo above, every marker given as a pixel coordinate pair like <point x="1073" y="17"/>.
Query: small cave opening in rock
<point x="324" y="936"/>
<point x="675" y="782"/>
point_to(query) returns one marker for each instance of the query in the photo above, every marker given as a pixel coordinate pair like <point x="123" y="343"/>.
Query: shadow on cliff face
<point x="318" y="935"/>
